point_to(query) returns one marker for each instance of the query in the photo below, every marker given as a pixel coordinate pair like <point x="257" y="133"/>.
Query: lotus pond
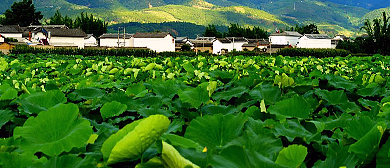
<point x="237" y="112"/>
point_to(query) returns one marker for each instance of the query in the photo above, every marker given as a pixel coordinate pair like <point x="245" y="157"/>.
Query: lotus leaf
<point x="292" y="156"/>
<point x="139" y="139"/>
<point x="295" y="107"/>
<point x="41" y="101"/>
<point x="54" y="131"/>
<point x="112" y="109"/>
<point x="217" y="130"/>
<point x="172" y="158"/>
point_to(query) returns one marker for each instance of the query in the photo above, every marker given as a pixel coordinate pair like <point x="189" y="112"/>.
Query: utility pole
<point x="118" y="36"/>
<point x="124" y="36"/>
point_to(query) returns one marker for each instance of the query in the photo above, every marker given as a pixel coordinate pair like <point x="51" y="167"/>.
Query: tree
<point x="306" y="29"/>
<point x="378" y="34"/>
<point x="211" y="31"/>
<point x="58" y="19"/>
<point x="22" y="13"/>
<point x="89" y="24"/>
<point x="185" y="47"/>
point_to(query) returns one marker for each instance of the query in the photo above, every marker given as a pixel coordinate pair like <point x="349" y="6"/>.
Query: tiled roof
<point x="317" y="36"/>
<point x="66" y="32"/>
<point x="10" y="29"/>
<point x="237" y="39"/>
<point x="115" y="36"/>
<point x="151" y="35"/>
<point x="287" y="33"/>
<point x="224" y="40"/>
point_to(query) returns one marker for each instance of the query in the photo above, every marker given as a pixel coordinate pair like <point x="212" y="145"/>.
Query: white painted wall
<point x="1" y="39"/>
<point x="113" y="42"/>
<point x="67" y="41"/>
<point x="218" y="46"/>
<point x="284" y="40"/>
<point x="12" y="35"/>
<point x="238" y="45"/>
<point x="90" y="41"/>
<point x="305" y="42"/>
<point x="157" y="44"/>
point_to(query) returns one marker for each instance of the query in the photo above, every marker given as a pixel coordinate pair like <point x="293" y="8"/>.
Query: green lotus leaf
<point x="166" y="88"/>
<point x="357" y="128"/>
<point x="216" y="130"/>
<point x="383" y="157"/>
<point x="54" y="131"/>
<point x="182" y="142"/>
<point x="340" y="82"/>
<point x="146" y="112"/>
<point x="366" y="147"/>
<point x="16" y="160"/>
<point x="296" y="107"/>
<point x="292" y="156"/>
<point x="112" y="109"/>
<point x="172" y="158"/>
<point x="7" y="92"/>
<point x="41" y="101"/>
<point x="5" y="116"/>
<point x="139" y="139"/>
<point x="195" y="96"/>
<point x="370" y="91"/>
<point x="292" y="129"/>
<point x="66" y="161"/>
<point x="86" y="94"/>
<point x="333" y="97"/>
<point x="137" y="90"/>
<point x="228" y="94"/>
<point x="337" y="156"/>
<point x="109" y="144"/>
<point x="238" y="157"/>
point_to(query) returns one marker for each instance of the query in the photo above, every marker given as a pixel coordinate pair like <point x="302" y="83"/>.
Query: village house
<point x="11" y="31"/>
<point x="156" y="41"/>
<point x="256" y="44"/>
<point x="90" y="41"/>
<point x="237" y="42"/>
<point x="115" y="40"/>
<point x="222" y="46"/>
<point x="1" y="39"/>
<point x="337" y="39"/>
<point x="286" y="38"/>
<point x="55" y="35"/>
<point x="314" y="41"/>
<point x="203" y="44"/>
<point x="180" y="41"/>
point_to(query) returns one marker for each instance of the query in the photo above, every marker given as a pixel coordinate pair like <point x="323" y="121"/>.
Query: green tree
<point x="378" y="34"/>
<point x="306" y="29"/>
<point x="58" y="19"/>
<point x="211" y="31"/>
<point x="90" y="24"/>
<point x="22" y="13"/>
<point x="185" y="47"/>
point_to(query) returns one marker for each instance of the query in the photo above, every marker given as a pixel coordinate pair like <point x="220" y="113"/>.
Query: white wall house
<point x="222" y="46"/>
<point x="90" y="41"/>
<point x="337" y="39"/>
<point x="66" y="37"/>
<point x="157" y="41"/>
<point x="315" y="41"/>
<point x="11" y="31"/>
<point x="238" y="42"/>
<point x="113" y="40"/>
<point x="285" y="38"/>
<point x="1" y="39"/>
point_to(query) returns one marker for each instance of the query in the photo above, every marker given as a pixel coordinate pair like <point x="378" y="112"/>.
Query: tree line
<point x="377" y="38"/>
<point x="24" y="14"/>
<point x="235" y="30"/>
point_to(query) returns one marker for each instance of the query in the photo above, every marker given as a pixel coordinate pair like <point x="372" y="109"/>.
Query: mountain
<point x="331" y="16"/>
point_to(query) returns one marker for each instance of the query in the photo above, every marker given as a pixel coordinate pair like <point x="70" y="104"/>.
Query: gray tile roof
<point x="66" y="32"/>
<point x="151" y="35"/>
<point x="115" y="36"/>
<point x="10" y="29"/>
<point x="237" y="39"/>
<point x="317" y="36"/>
<point x="287" y="33"/>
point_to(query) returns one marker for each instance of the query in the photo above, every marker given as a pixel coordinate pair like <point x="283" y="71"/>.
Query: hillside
<point x="332" y="16"/>
<point x="375" y="14"/>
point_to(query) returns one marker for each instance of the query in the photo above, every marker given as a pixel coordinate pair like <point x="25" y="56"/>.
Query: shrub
<point x="319" y="53"/>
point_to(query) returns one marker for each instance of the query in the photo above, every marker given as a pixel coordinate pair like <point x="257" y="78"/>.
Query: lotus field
<point x="174" y="112"/>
